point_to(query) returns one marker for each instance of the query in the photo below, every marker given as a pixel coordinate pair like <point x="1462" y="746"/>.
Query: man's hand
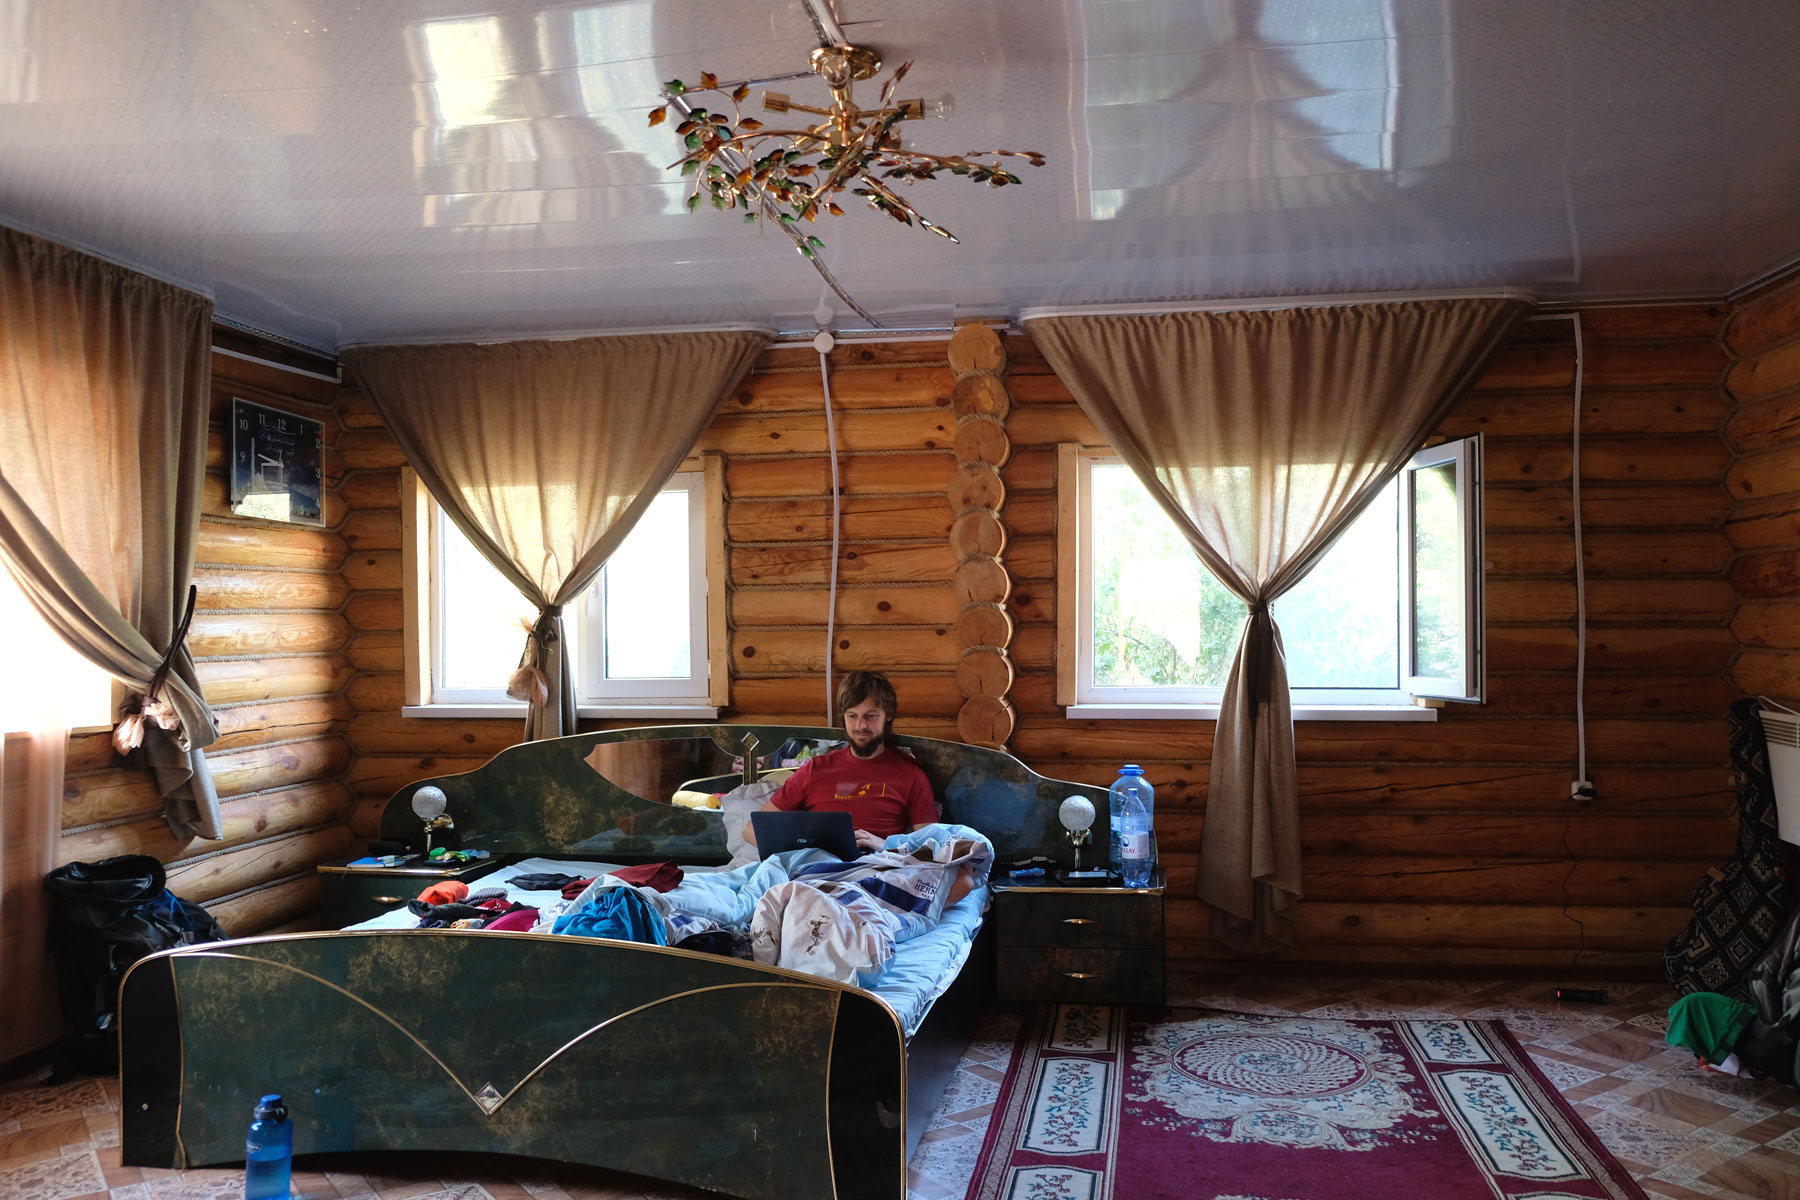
<point x="868" y="841"/>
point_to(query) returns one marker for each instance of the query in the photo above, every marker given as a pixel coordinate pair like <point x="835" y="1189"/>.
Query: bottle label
<point x="1135" y="845"/>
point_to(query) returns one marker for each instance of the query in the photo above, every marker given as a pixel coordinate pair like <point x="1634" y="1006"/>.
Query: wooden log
<point x="1607" y="506"/>
<point x="1472" y="741"/>
<point x="984" y="672"/>
<point x="977" y="531"/>
<point x="1767" y="373"/>
<point x="244" y="819"/>
<point x="257" y="911"/>
<point x="857" y="563"/>
<point x="1609" y="694"/>
<point x="1519" y="460"/>
<point x="216" y="634"/>
<point x="372" y="529"/>
<point x="86" y="752"/>
<point x="371" y="489"/>
<point x="1027" y="388"/>
<point x="356" y="411"/>
<point x="264" y="767"/>
<point x="982" y="441"/>
<point x="390" y="733"/>
<point x="1658" y="649"/>
<point x="262" y="382"/>
<point x="921" y="473"/>
<point x="249" y="724"/>
<point x="1035" y="607"/>
<point x="1656" y="364"/>
<point x="1519" y="367"/>
<point x="980" y="395"/>
<point x="1763" y="573"/>
<point x="267" y="545"/>
<point x="1530" y="600"/>
<point x="1648" y="740"/>
<point x="236" y="588"/>
<point x="1507" y="926"/>
<point x="384" y="774"/>
<point x="788" y="652"/>
<point x="976" y="486"/>
<point x="1773" y="673"/>
<point x="800" y="391"/>
<point x="855" y="606"/>
<point x="976" y="348"/>
<point x="1696" y="600"/>
<point x="236" y="870"/>
<point x="378" y="652"/>
<point x="1400" y="960"/>
<point x="1774" y="624"/>
<point x="918" y="695"/>
<point x="374" y="571"/>
<point x="237" y="680"/>
<point x="1757" y="322"/>
<point x="981" y="581"/>
<point x="1512" y="648"/>
<point x="1034" y="648"/>
<point x="1513" y="552"/>
<point x="1033" y="516"/>
<point x="852" y="354"/>
<point x="1770" y="473"/>
<point x="1031" y="559"/>
<point x="1423" y="834"/>
<point x="1686" y="552"/>
<point x="807" y="433"/>
<point x="1764" y="522"/>
<point x="1464" y="880"/>
<point x="1654" y="322"/>
<point x="1031" y="470"/>
<point x="989" y="625"/>
<point x="1766" y="425"/>
<point x="860" y="517"/>
<point x="369" y="449"/>
<point x="1048" y="425"/>
<point x="985" y="721"/>
<point x="110" y="794"/>
<point x="375" y="610"/>
<point x="383" y="691"/>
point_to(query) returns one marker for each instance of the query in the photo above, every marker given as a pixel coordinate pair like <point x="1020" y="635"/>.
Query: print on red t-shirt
<point x="885" y="795"/>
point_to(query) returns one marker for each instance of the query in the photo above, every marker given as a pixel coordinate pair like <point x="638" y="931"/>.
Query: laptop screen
<point x="832" y="832"/>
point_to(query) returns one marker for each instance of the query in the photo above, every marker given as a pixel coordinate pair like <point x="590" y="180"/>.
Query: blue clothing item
<point x="616" y="913"/>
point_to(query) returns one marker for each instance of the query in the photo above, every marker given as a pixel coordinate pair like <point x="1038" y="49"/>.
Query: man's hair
<point x="859" y="686"/>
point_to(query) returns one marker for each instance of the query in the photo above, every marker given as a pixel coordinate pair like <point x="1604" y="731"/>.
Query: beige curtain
<point x="104" y="378"/>
<point x="1263" y="434"/>
<point x="546" y="453"/>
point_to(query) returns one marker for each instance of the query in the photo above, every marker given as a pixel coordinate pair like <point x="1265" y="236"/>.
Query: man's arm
<point x="790" y="795"/>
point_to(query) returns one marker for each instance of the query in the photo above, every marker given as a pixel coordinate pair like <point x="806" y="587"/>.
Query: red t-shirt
<point x="885" y="795"/>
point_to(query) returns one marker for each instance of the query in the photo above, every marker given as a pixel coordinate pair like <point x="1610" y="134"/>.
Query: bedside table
<point x="350" y="894"/>
<point x="1099" y="945"/>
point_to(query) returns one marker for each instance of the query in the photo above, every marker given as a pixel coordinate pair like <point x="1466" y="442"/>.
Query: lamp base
<point x="1098" y="877"/>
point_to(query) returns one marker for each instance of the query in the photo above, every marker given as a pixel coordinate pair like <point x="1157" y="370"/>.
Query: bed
<point x="695" y="1068"/>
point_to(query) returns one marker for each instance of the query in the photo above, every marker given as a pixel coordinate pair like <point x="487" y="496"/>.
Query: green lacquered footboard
<point x="748" y="1080"/>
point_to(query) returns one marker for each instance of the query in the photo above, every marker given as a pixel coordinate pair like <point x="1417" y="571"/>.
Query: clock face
<point x="275" y="464"/>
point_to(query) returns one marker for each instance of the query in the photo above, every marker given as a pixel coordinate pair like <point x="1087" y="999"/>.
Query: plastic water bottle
<point x="269" y="1152"/>
<point x="1134" y="843"/>
<point x="1130" y="781"/>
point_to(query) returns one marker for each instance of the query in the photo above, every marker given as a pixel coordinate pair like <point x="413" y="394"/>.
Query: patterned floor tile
<point x="75" y="1173"/>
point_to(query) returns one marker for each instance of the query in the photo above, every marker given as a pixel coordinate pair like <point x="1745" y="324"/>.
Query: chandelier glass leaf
<point x="792" y="173"/>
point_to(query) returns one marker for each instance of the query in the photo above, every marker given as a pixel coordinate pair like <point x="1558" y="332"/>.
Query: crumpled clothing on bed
<point x="912" y="877"/>
<point x="620" y="912"/>
<point x="831" y="930"/>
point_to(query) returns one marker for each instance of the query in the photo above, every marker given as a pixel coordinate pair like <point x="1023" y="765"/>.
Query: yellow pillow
<point x="695" y="799"/>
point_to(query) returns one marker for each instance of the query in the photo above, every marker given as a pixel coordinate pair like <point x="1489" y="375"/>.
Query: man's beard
<point x="868" y="751"/>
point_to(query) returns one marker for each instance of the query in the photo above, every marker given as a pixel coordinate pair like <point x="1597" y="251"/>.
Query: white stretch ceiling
<point x="361" y="170"/>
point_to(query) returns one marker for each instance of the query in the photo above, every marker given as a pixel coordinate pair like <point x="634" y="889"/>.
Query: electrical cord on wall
<point x="823" y="344"/>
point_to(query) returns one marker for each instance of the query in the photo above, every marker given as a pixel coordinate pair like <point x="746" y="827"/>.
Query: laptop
<point x="832" y="832"/>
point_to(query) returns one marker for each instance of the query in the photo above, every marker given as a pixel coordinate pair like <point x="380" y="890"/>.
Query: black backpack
<point x="105" y="916"/>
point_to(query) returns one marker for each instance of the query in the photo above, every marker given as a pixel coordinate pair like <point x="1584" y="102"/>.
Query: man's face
<point x="865" y="723"/>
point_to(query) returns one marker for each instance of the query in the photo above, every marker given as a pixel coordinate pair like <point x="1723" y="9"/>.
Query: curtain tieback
<point x="529" y="683"/>
<point x="128" y="734"/>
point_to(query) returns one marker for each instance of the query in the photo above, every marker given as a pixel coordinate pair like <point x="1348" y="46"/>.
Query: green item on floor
<point x="1708" y="1024"/>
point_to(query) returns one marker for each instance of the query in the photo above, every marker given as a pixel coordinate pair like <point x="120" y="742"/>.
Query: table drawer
<point x="1041" y="974"/>
<point x="1075" y="919"/>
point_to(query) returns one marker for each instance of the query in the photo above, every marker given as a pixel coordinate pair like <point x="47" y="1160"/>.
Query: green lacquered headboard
<point x="551" y="797"/>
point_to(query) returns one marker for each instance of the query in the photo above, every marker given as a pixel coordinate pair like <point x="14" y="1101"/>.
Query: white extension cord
<point x="823" y="344"/>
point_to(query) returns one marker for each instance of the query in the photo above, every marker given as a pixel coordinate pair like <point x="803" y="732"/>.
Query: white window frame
<point x="698" y="698"/>
<point x="1414" y="699"/>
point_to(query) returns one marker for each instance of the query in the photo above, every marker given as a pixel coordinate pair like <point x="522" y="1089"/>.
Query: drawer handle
<point x="1078" y="920"/>
<point x="1082" y="974"/>
<point x="388" y="900"/>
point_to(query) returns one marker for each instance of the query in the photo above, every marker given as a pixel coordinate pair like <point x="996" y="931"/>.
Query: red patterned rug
<point x="1204" y="1105"/>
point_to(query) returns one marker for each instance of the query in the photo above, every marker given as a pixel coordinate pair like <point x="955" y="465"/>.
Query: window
<point x="1392" y="612"/>
<point x="64" y="690"/>
<point x="640" y="637"/>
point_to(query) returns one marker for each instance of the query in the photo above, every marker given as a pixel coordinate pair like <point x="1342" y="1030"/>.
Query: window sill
<point x="686" y="712"/>
<point x="1210" y="712"/>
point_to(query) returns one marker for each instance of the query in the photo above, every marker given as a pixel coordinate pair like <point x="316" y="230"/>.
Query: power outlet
<point x="1582" y="789"/>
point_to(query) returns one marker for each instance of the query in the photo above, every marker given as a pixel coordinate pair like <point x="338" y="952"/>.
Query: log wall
<point x="1452" y="842"/>
<point x="270" y="639"/>
<point x="1764" y="481"/>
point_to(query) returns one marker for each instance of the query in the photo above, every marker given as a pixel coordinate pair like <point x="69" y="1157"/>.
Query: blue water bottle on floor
<point x="269" y="1152"/>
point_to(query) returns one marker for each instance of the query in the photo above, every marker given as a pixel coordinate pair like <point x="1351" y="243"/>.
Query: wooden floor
<point x="1682" y="1133"/>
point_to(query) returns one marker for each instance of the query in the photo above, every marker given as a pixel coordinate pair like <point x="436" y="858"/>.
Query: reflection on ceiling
<point x="338" y="171"/>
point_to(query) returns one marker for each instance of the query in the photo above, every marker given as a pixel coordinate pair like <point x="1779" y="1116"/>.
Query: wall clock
<point x="275" y="461"/>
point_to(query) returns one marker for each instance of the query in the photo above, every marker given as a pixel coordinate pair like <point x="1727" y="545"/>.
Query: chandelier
<point x="791" y="175"/>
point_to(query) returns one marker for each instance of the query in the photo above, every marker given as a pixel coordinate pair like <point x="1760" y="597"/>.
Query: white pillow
<point x="737" y="805"/>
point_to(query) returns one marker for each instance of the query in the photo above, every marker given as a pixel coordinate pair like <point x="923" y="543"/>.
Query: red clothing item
<point x="885" y="795"/>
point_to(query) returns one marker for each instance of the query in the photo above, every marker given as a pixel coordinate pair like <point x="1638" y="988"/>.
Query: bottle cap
<point x="1131" y="769"/>
<point x="270" y="1108"/>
